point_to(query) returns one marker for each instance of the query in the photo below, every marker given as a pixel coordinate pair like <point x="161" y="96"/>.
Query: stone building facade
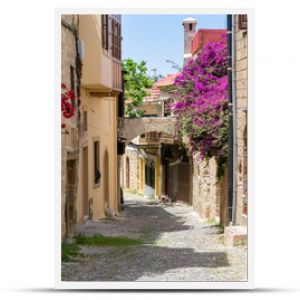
<point x="210" y="193"/>
<point x="69" y="134"/>
<point x="206" y="200"/>
<point x="90" y="186"/>
<point x="100" y="38"/>
<point x="241" y="75"/>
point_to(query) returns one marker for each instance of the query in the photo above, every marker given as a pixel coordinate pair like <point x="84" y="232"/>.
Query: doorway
<point x="71" y="189"/>
<point x="85" y="192"/>
<point x="106" y="180"/>
<point x="127" y="173"/>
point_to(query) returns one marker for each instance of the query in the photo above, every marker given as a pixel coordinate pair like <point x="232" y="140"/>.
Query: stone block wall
<point x="131" y="157"/>
<point x="241" y="76"/>
<point x="69" y="135"/>
<point x="205" y="190"/>
<point x="210" y="195"/>
<point x="152" y="108"/>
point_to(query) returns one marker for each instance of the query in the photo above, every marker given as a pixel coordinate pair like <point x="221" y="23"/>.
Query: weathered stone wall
<point x="209" y="194"/>
<point x="241" y="75"/>
<point x="152" y="108"/>
<point x="69" y="135"/>
<point x="205" y="188"/>
<point x="132" y="157"/>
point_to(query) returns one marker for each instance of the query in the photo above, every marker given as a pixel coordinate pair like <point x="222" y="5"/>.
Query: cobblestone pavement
<point x="179" y="246"/>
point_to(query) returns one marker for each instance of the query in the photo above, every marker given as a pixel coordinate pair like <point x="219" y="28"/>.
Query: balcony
<point x="100" y="71"/>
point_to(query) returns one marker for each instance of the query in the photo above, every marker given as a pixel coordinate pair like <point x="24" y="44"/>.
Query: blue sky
<point x="157" y="38"/>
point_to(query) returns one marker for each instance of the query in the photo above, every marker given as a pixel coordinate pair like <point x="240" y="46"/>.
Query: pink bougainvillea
<point x="201" y="103"/>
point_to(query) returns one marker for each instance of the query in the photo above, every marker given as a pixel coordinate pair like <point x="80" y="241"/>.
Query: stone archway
<point x="133" y="127"/>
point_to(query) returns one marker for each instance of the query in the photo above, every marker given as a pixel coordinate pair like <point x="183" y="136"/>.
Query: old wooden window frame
<point x="96" y="161"/>
<point x="105" y="29"/>
<point x="243" y="22"/>
<point x="116" y="39"/>
<point x="85" y="120"/>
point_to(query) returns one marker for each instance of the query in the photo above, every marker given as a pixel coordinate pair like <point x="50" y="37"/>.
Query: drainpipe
<point x="232" y="121"/>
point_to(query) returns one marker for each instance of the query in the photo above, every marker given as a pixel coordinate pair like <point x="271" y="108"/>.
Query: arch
<point x="133" y="127"/>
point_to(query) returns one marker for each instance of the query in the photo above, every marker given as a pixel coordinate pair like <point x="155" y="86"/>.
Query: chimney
<point x="189" y="27"/>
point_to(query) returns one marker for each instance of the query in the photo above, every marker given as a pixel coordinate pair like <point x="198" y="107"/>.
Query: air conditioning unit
<point x="81" y="49"/>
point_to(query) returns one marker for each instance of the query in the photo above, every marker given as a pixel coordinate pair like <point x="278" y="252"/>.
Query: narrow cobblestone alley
<point x="177" y="246"/>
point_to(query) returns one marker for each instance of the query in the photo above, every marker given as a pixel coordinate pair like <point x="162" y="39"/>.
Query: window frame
<point x="116" y="39"/>
<point x="96" y="162"/>
<point x="85" y="120"/>
<point x="243" y="22"/>
<point x="105" y="30"/>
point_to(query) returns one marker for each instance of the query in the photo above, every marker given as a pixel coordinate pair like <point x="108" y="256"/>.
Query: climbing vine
<point x="201" y="104"/>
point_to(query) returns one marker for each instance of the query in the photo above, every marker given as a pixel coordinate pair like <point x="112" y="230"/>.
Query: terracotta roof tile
<point x="168" y="80"/>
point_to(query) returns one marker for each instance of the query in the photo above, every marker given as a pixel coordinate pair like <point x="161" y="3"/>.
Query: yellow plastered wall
<point x="101" y="118"/>
<point x="97" y="64"/>
<point x="102" y="127"/>
<point x="157" y="177"/>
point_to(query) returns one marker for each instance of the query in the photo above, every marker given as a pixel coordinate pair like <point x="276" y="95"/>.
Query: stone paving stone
<point x="179" y="246"/>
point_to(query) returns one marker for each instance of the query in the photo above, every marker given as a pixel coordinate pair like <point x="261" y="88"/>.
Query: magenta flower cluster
<point x="201" y="102"/>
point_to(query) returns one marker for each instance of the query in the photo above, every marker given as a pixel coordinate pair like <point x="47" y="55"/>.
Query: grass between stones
<point x="72" y="251"/>
<point x="213" y="223"/>
<point x="69" y="251"/>
<point x="99" y="240"/>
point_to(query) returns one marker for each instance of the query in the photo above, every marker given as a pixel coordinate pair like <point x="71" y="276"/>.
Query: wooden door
<point x="184" y="182"/>
<point x="169" y="181"/>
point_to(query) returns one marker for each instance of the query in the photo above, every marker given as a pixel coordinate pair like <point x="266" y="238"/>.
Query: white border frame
<point x="155" y="284"/>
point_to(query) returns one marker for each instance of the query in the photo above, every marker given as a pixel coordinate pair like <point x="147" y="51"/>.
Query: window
<point x="72" y="78"/>
<point x="97" y="174"/>
<point x="167" y="107"/>
<point x="85" y="124"/>
<point x="116" y="39"/>
<point x="243" y="21"/>
<point x="104" y="19"/>
<point x="191" y="27"/>
<point x="73" y="86"/>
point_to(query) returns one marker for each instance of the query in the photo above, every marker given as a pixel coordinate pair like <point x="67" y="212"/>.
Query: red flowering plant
<point x="201" y="104"/>
<point x="67" y="102"/>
